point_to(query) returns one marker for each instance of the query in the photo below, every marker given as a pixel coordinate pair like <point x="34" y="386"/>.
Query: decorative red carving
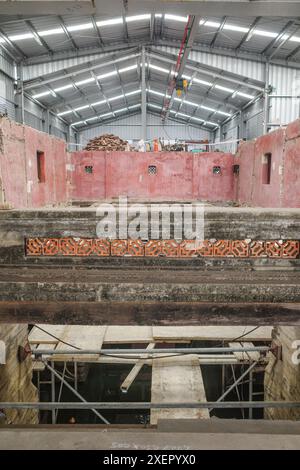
<point x="69" y="246"/>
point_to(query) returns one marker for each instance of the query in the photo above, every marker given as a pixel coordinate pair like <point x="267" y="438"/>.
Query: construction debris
<point x="108" y="142"/>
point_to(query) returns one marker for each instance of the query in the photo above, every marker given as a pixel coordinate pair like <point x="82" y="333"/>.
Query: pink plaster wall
<point x="180" y="176"/>
<point x="284" y="187"/>
<point x="18" y="166"/>
<point x="209" y="186"/>
<point x="268" y="195"/>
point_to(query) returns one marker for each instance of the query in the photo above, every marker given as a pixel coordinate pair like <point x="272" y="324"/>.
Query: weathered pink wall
<point x="291" y="168"/>
<point x="284" y="187"/>
<point x="179" y="176"/>
<point x="209" y="186"/>
<point x="18" y="166"/>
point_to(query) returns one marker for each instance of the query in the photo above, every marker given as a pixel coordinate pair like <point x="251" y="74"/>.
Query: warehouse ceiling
<point x="107" y="82"/>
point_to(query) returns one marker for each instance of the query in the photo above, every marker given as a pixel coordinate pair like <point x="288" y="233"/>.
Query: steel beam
<point x="248" y="35"/>
<point x="37" y="37"/>
<point x="144" y="97"/>
<point x="280" y="40"/>
<point x="219" y="30"/>
<point x="147" y="405"/>
<point x="201" y="47"/>
<point x="243" y="8"/>
<point x="54" y="77"/>
<point x="69" y="36"/>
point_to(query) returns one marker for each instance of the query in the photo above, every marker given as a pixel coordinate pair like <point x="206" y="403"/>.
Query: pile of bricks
<point x="108" y="142"/>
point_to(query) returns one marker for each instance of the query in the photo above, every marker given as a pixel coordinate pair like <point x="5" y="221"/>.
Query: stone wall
<point x="282" y="376"/>
<point x="15" y="377"/>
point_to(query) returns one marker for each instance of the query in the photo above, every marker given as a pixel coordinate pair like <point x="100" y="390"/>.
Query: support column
<point x="266" y="99"/>
<point x="19" y="98"/>
<point x="144" y="97"/>
<point x="53" y="411"/>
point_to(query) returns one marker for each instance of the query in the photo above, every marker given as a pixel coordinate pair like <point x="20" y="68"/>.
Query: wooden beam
<point x="150" y="313"/>
<point x="177" y="380"/>
<point x="135" y="371"/>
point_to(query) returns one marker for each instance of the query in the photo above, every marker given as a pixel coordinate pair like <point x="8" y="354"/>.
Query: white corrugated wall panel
<point x="7" y="96"/>
<point x="129" y="128"/>
<point x="286" y="81"/>
<point x="33" y="71"/>
<point x="247" y="68"/>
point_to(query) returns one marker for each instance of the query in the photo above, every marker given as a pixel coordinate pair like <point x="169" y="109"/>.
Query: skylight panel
<point x="158" y="93"/>
<point x="81" y="108"/>
<point x="98" y="103"/>
<point x="110" y="22"/>
<point x="245" y="95"/>
<point x="267" y="34"/>
<point x="295" y="39"/>
<point x="182" y="19"/>
<point x="224" y="88"/>
<point x="231" y="27"/>
<point x="202" y="82"/>
<point x="130" y="19"/>
<point x="127" y="69"/>
<point x="159" y="69"/>
<point x="115" y="98"/>
<point x="183" y="115"/>
<point x="83" y="82"/>
<point x="43" y="93"/>
<point x="62" y="88"/>
<point x="51" y="32"/>
<point x="212" y="24"/>
<point x="80" y="27"/>
<point x="152" y="105"/>
<point x="20" y="37"/>
<point x="135" y="92"/>
<point x="108" y="74"/>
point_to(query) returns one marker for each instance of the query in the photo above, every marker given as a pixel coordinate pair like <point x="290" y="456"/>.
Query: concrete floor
<point x="103" y="439"/>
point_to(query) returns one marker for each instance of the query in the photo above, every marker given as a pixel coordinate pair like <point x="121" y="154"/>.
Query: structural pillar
<point x="144" y="97"/>
<point x="266" y="99"/>
<point x="19" y="97"/>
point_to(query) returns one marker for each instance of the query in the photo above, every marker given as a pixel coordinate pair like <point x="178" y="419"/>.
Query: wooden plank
<point x="40" y="337"/>
<point x="135" y="370"/>
<point x="83" y="337"/>
<point x="156" y="313"/>
<point x="128" y="334"/>
<point x="177" y="380"/>
<point x="247" y="355"/>
<point x="211" y="333"/>
<point x="2" y="352"/>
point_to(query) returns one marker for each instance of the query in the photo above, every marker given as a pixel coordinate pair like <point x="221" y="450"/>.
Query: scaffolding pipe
<point x="52" y="370"/>
<point x="146" y="406"/>
<point x="247" y="371"/>
<point x="53" y="412"/>
<point x="51" y="352"/>
<point x="250" y="393"/>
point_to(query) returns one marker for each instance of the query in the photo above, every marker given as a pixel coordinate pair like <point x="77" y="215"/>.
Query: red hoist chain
<point x="172" y="82"/>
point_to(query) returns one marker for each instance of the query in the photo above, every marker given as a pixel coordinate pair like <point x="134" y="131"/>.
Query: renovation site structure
<point x="149" y="225"/>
